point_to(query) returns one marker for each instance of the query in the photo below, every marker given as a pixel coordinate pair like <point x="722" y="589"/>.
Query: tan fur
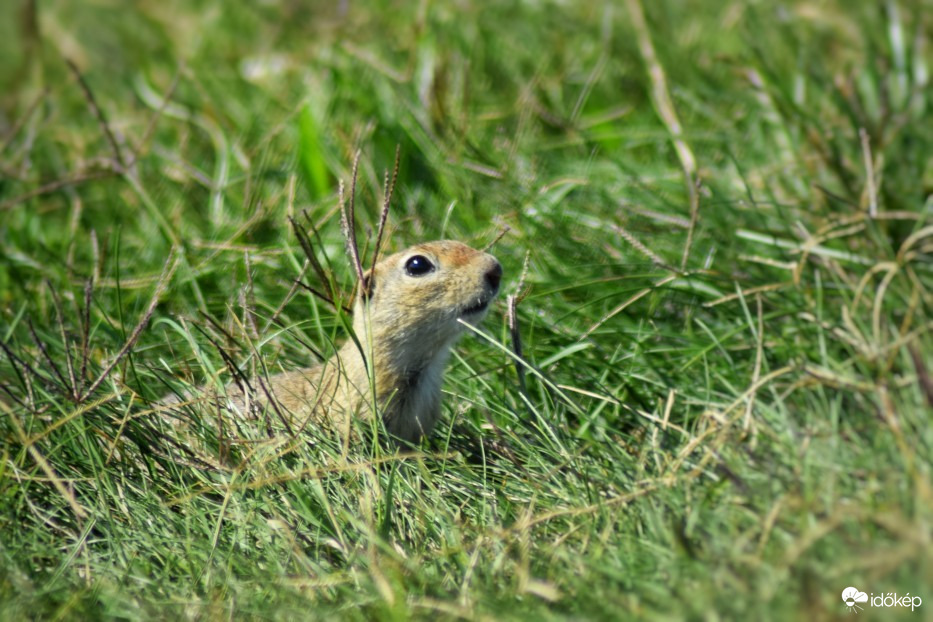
<point x="405" y="327"/>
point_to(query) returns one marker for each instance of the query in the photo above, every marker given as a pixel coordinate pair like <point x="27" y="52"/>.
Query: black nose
<point x="493" y="276"/>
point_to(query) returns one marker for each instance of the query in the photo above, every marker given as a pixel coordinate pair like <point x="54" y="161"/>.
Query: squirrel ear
<point x="367" y="286"/>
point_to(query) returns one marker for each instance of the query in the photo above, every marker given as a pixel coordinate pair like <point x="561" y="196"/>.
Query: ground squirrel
<point x="407" y="315"/>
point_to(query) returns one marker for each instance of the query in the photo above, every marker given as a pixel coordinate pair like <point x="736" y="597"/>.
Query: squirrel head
<point x="411" y="302"/>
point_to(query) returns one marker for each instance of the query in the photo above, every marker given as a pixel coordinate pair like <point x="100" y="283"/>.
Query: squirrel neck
<point x="407" y="383"/>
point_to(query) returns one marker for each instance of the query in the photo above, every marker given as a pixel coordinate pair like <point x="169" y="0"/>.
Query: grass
<point x="720" y="246"/>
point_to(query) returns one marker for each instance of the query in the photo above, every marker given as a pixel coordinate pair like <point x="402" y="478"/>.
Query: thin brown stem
<point x="99" y="114"/>
<point x="348" y="222"/>
<point x="86" y="328"/>
<point x="66" y="346"/>
<point x="388" y="190"/>
<point x="52" y="186"/>
<point x="45" y="353"/>
<point x="167" y="272"/>
<point x="304" y="240"/>
<point x="512" y="302"/>
<point x="498" y="237"/>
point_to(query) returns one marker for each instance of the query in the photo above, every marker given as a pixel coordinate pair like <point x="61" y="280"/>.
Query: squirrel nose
<point x="494" y="275"/>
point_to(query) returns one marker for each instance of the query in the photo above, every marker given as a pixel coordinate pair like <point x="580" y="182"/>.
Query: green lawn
<point x="719" y="239"/>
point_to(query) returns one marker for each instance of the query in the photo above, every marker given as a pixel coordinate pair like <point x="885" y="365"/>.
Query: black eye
<point x="418" y="266"/>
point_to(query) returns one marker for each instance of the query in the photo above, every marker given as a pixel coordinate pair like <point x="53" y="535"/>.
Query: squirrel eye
<point x="418" y="265"/>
